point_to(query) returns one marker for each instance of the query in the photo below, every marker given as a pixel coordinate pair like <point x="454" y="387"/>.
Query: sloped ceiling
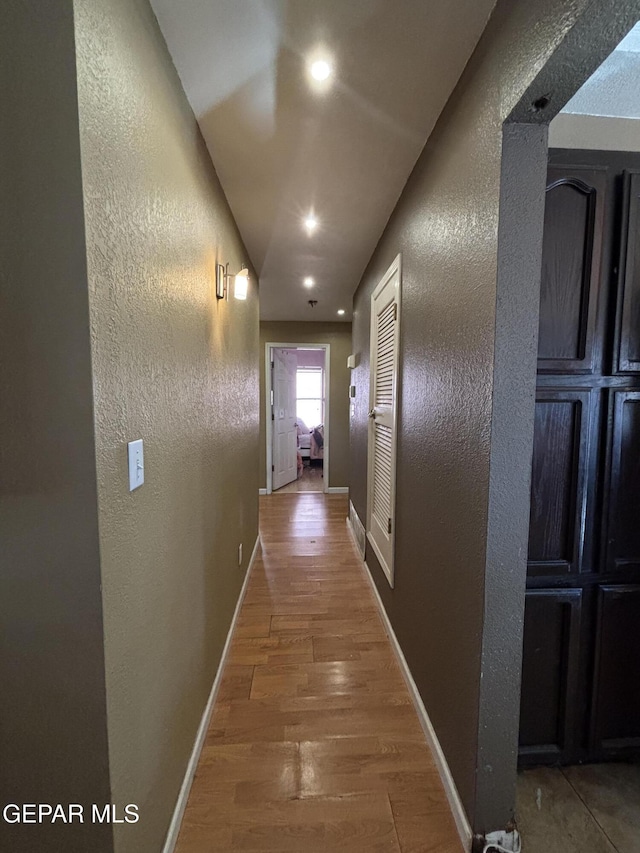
<point x="284" y="146"/>
<point x="614" y="88"/>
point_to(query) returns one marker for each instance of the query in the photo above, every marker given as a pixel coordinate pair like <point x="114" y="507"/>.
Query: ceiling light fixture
<point x="311" y="223"/>
<point x="320" y="70"/>
<point x="341" y="311"/>
<point x="309" y="282"/>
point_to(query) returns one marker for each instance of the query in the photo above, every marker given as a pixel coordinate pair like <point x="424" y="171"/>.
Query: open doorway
<point x="580" y="703"/>
<point x="297" y="417"/>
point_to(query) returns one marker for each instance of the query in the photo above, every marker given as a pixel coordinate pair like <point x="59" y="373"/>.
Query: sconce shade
<point x="241" y="284"/>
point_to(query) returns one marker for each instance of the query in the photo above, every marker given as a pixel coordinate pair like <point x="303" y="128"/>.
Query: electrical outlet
<point x="503" y="842"/>
<point x="240" y="554"/>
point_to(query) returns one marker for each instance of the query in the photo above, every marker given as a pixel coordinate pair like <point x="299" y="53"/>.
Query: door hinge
<point x="273" y="467"/>
<point x="395" y="311"/>
<point x="273" y="364"/>
<point x="273" y="417"/>
<point x="389" y="527"/>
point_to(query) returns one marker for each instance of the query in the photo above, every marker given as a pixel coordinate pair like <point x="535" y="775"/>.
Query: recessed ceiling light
<point x="320" y="70"/>
<point x="311" y="223"/>
<point x="309" y="282"/>
<point x="341" y="311"/>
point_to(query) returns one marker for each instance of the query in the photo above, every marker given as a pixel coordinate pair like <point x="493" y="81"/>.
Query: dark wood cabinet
<point x="581" y="662"/>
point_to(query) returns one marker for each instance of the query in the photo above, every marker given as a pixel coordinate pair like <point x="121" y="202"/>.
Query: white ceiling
<point x="282" y="149"/>
<point x="614" y="88"/>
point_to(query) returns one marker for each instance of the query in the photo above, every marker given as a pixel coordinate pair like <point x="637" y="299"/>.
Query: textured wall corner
<point x="176" y="367"/>
<point x="53" y="729"/>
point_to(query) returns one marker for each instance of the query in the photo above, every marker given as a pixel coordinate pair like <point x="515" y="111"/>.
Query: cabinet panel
<point x="571" y="261"/>
<point x="622" y="535"/>
<point x="628" y="309"/>
<point x="563" y="450"/>
<point x="550" y="672"/>
<point x="616" y="694"/>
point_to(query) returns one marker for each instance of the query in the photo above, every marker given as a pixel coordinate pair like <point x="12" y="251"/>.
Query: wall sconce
<point x="241" y="282"/>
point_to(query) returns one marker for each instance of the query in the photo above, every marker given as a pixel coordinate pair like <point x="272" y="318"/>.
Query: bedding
<point x="317" y="443"/>
<point x="310" y="441"/>
<point x="304" y="439"/>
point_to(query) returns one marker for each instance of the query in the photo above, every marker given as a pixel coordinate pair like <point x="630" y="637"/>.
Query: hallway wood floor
<point x="314" y="745"/>
<point x="310" y="481"/>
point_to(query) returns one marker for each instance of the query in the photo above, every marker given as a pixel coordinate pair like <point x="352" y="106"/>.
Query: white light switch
<point x="136" y="464"/>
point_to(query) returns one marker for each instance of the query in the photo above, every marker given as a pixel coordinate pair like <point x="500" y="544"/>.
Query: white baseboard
<point x="353" y="536"/>
<point x="262" y="491"/>
<point x="356" y="528"/>
<point x="183" y="796"/>
<point x="337" y="490"/>
<point x="459" y="814"/>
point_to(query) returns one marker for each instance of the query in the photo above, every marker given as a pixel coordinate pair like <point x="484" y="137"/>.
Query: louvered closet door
<point x="385" y="317"/>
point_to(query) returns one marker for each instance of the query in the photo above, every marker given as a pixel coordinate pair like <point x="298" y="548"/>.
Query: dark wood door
<point x="627" y="343"/>
<point x="616" y="685"/>
<point x="571" y="270"/>
<point x="564" y="451"/>
<point x="550" y="677"/>
<point x="622" y="503"/>
<point x="581" y="662"/>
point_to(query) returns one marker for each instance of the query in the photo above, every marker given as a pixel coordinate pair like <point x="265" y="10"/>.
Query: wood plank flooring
<point x="312" y="480"/>
<point x="314" y="745"/>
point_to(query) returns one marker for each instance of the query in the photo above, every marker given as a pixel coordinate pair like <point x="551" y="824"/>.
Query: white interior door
<point x="285" y="434"/>
<point x="381" y="484"/>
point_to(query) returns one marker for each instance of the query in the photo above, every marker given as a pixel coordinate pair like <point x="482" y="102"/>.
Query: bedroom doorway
<point x="297" y="417"/>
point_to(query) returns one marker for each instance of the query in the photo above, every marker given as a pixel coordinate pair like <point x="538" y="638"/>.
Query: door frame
<point x="269" y="345"/>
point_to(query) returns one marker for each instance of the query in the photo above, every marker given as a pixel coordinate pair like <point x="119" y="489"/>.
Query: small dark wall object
<point x="541" y="103"/>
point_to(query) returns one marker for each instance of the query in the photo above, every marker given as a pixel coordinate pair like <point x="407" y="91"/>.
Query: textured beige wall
<point x="338" y="335"/>
<point x="177" y="368"/>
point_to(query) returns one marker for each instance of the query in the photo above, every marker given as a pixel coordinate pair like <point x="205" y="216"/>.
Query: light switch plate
<point x="135" y="452"/>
